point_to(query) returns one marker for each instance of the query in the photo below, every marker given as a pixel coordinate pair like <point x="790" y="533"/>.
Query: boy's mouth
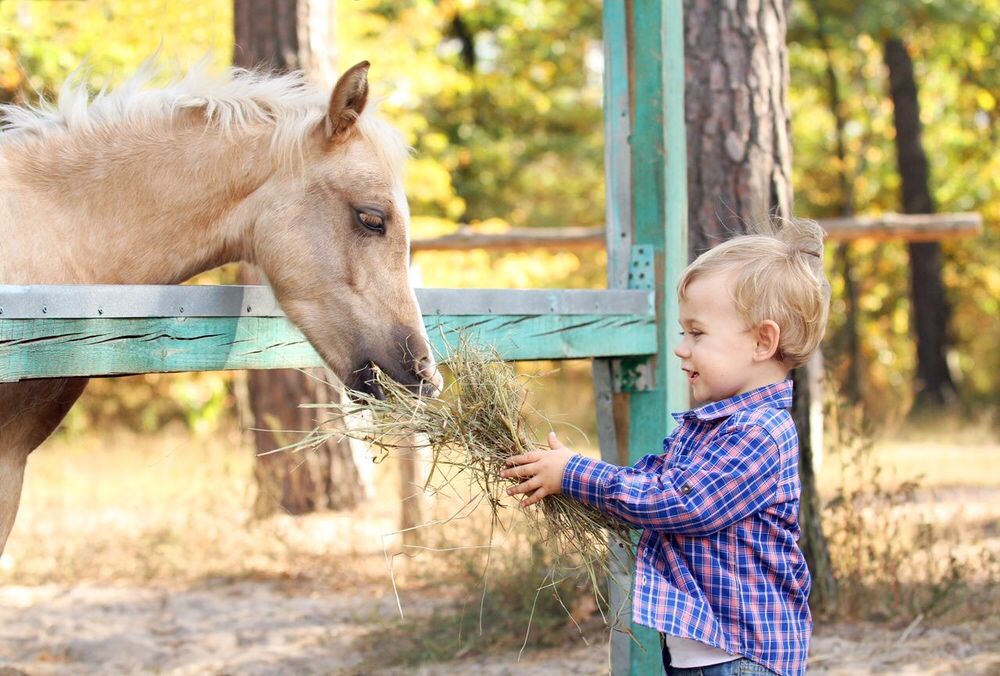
<point x="692" y="375"/>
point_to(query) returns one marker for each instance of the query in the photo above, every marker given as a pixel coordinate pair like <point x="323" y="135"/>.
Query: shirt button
<point x="685" y="489"/>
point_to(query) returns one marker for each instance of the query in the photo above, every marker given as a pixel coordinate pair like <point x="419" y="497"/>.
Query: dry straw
<point x="479" y="421"/>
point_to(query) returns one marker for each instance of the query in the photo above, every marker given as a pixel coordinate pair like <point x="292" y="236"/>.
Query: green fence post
<point x="646" y="161"/>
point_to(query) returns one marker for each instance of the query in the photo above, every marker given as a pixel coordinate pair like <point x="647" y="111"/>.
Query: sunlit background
<point x="149" y="481"/>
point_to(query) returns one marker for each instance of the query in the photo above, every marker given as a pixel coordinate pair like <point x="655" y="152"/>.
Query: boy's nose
<point x="681" y="350"/>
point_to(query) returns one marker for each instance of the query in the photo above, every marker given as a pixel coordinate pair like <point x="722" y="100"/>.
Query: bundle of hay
<point x="479" y="421"/>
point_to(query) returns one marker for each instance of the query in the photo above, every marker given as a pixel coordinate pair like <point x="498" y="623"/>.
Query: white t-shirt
<point x="686" y="653"/>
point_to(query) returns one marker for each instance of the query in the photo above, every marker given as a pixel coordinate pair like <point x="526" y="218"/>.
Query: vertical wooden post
<point x="646" y="166"/>
<point x="618" y="215"/>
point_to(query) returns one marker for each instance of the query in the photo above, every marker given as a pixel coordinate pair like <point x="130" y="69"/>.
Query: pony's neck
<point x="143" y="206"/>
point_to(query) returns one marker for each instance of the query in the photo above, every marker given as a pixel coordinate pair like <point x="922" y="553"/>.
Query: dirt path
<point x="242" y="627"/>
<point x="255" y="627"/>
<point x="114" y="565"/>
<point x="246" y="627"/>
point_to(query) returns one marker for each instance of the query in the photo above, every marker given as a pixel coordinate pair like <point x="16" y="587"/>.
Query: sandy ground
<point x="231" y="627"/>
<point x="258" y="627"/>
<point x="114" y="567"/>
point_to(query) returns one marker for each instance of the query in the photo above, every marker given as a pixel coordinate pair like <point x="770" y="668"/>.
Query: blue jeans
<point x="740" y="667"/>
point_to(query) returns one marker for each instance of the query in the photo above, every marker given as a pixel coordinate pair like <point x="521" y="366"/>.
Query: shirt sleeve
<point x="734" y="476"/>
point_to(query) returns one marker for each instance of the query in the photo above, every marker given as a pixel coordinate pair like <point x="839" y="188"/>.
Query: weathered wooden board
<point x="658" y="157"/>
<point x="908" y="227"/>
<point x="617" y="240"/>
<point x="47" y="348"/>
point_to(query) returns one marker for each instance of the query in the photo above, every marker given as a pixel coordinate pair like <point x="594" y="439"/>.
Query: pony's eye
<point x="370" y="219"/>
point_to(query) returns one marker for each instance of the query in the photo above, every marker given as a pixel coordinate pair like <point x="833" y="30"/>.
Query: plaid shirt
<point x="718" y="560"/>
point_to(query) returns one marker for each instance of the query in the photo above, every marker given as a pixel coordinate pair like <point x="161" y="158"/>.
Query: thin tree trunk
<point x="286" y="35"/>
<point x="414" y="467"/>
<point x="324" y="478"/>
<point x="929" y="305"/>
<point x="739" y="172"/>
<point x="850" y="349"/>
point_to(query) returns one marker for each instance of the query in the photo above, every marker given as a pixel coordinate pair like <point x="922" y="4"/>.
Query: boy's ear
<point x="768" y="335"/>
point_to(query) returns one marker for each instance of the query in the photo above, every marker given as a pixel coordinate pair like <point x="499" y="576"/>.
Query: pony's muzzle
<point x="431" y="381"/>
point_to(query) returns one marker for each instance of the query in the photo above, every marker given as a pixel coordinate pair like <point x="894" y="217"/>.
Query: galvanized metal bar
<point x="83" y="301"/>
<point x="112" y="301"/>
<point x="534" y="301"/>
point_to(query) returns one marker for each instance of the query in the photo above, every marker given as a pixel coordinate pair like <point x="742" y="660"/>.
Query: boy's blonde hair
<point x="778" y="275"/>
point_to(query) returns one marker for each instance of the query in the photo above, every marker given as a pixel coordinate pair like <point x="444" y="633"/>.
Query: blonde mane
<point x="231" y="103"/>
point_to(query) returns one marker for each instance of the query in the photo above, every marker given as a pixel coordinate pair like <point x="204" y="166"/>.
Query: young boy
<point x="718" y="571"/>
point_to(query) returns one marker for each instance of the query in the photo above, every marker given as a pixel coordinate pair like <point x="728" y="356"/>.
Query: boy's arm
<point x="737" y="476"/>
<point x="540" y="473"/>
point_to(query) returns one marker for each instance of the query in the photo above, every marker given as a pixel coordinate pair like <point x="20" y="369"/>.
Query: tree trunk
<point x="739" y="172"/>
<point x="324" y="478"/>
<point x="414" y="471"/>
<point x="930" y="309"/>
<point x="287" y="35"/>
<point x="850" y="349"/>
<point x="739" y="156"/>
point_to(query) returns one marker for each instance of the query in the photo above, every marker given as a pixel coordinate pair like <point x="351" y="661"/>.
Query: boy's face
<point x="717" y="351"/>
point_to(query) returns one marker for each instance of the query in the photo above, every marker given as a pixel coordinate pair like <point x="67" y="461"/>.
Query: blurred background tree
<point x="501" y="101"/>
<point x="841" y="97"/>
<point x="284" y="35"/>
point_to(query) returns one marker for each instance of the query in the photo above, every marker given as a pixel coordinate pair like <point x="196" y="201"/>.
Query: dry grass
<point x="173" y="508"/>
<point x="479" y="421"/>
<point x="908" y="522"/>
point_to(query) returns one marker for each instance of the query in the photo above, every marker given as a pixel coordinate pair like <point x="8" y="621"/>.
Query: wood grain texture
<point x="889" y="226"/>
<point x="48" y="348"/>
<point x="657" y="159"/>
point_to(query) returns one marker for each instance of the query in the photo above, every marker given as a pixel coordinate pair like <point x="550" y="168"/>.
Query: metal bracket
<point x="636" y="374"/>
<point x="641" y="273"/>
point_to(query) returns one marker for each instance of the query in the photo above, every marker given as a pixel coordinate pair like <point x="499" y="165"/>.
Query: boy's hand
<point x="541" y="471"/>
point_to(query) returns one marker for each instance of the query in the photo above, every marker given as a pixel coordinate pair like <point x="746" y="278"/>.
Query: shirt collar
<point x="776" y="395"/>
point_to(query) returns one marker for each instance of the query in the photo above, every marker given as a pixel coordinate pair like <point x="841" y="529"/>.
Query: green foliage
<point x="43" y="42"/>
<point x="501" y="102"/>
<point x="503" y="99"/>
<point x="957" y="61"/>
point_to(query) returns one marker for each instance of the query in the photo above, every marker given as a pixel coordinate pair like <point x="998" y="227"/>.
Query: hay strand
<point x="478" y="422"/>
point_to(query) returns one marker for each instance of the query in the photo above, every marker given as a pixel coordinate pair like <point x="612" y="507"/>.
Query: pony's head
<point x="333" y="240"/>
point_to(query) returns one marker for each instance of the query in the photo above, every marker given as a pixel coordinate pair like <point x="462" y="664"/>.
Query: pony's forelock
<point x="231" y="101"/>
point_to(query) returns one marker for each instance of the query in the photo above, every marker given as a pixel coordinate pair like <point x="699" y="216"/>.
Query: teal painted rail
<point x="48" y="348"/>
<point x="50" y="332"/>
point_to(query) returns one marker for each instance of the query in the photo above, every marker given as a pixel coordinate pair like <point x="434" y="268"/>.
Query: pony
<point x="145" y="185"/>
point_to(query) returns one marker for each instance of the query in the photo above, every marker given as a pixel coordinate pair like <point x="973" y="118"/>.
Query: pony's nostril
<point x="431" y="380"/>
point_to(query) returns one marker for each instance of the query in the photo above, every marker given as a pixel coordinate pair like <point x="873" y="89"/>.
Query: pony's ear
<point x="348" y="100"/>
